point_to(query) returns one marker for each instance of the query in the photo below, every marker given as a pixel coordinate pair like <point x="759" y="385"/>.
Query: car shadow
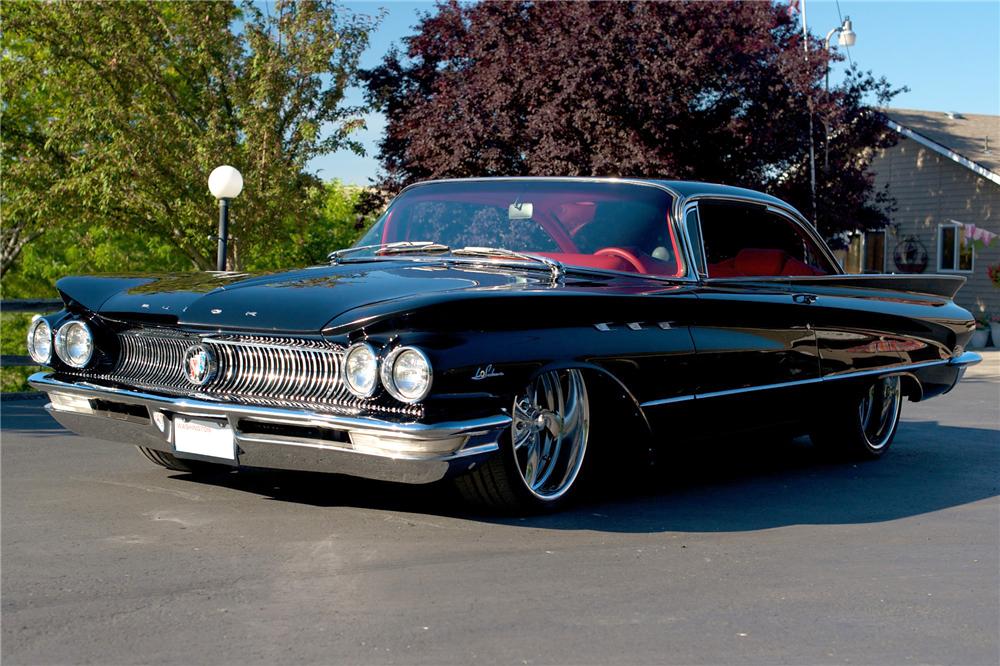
<point x="717" y="486"/>
<point x="721" y="487"/>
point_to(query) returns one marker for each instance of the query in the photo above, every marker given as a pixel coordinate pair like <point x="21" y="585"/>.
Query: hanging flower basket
<point x="994" y="273"/>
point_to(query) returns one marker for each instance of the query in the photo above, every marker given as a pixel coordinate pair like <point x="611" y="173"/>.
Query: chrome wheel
<point x="549" y="431"/>
<point x="879" y="410"/>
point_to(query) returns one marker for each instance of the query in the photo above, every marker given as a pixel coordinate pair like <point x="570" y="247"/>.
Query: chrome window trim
<point x="688" y="207"/>
<point x="516" y="263"/>
<point x="690" y="275"/>
<point x="787" y="212"/>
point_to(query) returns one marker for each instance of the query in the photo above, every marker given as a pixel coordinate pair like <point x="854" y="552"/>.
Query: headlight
<point x="361" y="370"/>
<point x="75" y="344"/>
<point x="40" y="341"/>
<point x="406" y="374"/>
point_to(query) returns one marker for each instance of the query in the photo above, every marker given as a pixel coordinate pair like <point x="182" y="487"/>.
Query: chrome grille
<point x="255" y="369"/>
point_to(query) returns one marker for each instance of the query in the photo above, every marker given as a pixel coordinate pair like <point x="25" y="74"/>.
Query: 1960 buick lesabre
<point x="509" y="334"/>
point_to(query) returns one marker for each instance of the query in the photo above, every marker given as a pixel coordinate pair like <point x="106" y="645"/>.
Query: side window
<point x="747" y="240"/>
<point x="694" y="235"/>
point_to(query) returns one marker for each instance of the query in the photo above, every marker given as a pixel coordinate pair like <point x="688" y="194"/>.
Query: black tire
<point x="500" y="485"/>
<point x="862" y="423"/>
<point x="176" y="464"/>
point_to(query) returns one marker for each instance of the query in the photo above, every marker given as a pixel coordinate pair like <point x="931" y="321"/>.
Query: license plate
<point x="204" y="438"/>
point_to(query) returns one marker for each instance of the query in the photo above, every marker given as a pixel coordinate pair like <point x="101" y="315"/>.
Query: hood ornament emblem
<point x="216" y="311"/>
<point x="199" y="365"/>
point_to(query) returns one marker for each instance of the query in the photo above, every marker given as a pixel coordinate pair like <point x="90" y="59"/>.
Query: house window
<point x="955" y="252"/>
<point x="865" y="252"/>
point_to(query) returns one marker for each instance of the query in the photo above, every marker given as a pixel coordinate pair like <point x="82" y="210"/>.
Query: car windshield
<point x="604" y="225"/>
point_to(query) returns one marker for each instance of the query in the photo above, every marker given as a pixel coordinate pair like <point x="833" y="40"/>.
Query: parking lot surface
<point x="749" y="554"/>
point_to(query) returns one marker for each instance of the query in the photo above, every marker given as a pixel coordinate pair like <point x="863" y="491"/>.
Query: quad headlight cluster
<point x="405" y="373"/>
<point x="73" y="343"/>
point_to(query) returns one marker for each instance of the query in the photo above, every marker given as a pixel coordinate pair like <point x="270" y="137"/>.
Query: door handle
<point x="804" y="299"/>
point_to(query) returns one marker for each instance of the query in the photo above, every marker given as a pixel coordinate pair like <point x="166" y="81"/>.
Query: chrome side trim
<point x="764" y="387"/>
<point x="963" y="360"/>
<point x="668" y="401"/>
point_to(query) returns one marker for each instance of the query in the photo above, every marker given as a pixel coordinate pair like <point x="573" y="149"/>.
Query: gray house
<point x="944" y="174"/>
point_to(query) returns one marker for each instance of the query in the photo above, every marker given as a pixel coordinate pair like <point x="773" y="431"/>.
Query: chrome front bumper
<point x="279" y="438"/>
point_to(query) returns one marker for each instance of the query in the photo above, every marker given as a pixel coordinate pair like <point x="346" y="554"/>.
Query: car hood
<point x="296" y="301"/>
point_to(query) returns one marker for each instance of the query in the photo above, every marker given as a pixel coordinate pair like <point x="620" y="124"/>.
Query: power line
<point x="846" y="48"/>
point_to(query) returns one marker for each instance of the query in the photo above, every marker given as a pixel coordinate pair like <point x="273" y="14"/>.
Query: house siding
<point x="930" y="189"/>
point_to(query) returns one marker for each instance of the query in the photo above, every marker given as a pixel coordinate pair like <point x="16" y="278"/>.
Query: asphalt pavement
<point x="761" y="554"/>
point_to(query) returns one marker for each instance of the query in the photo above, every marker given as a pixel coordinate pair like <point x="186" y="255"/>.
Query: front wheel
<point x="863" y="423"/>
<point x="540" y="464"/>
<point x="172" y="462"/>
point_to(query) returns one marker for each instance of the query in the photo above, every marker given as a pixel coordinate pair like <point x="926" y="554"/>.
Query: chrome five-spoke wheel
<point x="879" y="410"/>
<point x="542" y="463"/>
<point x="549" y="433"/>
<point x="862" y="423"/>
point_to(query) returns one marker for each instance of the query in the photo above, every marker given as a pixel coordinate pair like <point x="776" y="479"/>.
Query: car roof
<point x="692" y="188"/>
<point x="685" y="188"/>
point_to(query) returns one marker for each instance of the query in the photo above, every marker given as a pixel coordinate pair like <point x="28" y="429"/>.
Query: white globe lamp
<point x="225" y="183"/>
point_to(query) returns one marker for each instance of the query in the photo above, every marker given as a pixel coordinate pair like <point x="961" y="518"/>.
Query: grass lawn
<point x="13" y="332"/>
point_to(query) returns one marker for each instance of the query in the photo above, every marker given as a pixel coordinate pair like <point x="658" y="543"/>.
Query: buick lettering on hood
<point x="524" y="338"/>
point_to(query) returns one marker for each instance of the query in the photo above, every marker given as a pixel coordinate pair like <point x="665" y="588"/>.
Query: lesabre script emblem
<point x="199" y="365"/>
<point x="484" y="373"/>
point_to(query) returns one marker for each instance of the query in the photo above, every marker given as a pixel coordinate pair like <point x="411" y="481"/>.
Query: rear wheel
<point x="541" y="462"/>
<point x="864" y="423"/>
<point x="176" y="464"/>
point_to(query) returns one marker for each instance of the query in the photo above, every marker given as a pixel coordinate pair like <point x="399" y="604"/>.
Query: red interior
<point x="616" y="259"/>
<point x="577" y="214"/>
<point x="753" y="262"/>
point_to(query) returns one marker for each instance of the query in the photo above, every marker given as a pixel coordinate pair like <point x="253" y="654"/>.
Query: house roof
<point x="972" y="140"/>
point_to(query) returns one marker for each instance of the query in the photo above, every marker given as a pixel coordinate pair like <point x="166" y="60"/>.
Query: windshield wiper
<point x="382" y="249"/>
<point x="555" y="268"/>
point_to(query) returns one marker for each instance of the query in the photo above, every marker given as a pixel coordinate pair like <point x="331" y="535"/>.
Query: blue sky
<point x="947" y="53"/>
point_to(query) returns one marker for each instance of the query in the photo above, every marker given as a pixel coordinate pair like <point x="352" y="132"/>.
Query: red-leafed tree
<point x="709" y="91"/>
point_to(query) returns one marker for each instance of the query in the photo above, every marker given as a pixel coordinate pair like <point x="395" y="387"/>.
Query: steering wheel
<point x="624" y="255"/>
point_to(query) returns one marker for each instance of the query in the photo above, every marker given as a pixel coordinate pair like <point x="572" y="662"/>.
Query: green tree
<point x="329" y="221"/>
<point x="114" y="113"/>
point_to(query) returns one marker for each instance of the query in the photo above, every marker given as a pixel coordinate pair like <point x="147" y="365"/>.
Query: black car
<point x="509" y="334"/>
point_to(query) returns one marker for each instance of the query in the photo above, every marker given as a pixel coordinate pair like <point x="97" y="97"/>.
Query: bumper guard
<point x="279" y="438"/>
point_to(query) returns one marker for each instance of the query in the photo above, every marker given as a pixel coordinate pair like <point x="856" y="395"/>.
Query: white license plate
<point x="204" y="438"/>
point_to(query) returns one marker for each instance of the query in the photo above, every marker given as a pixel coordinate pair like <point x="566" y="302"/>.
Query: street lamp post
<point x="847" y="38"/>
<point x="224" y="183"/>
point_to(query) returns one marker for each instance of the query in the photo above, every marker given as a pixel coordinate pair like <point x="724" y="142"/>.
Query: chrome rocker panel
<point x="374" y="449"/>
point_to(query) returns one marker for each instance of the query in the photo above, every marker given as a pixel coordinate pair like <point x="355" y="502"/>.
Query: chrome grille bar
<point x="251" y="368"/>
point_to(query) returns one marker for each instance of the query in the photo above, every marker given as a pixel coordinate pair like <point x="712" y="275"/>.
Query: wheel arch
<point x="605" y="384"/>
